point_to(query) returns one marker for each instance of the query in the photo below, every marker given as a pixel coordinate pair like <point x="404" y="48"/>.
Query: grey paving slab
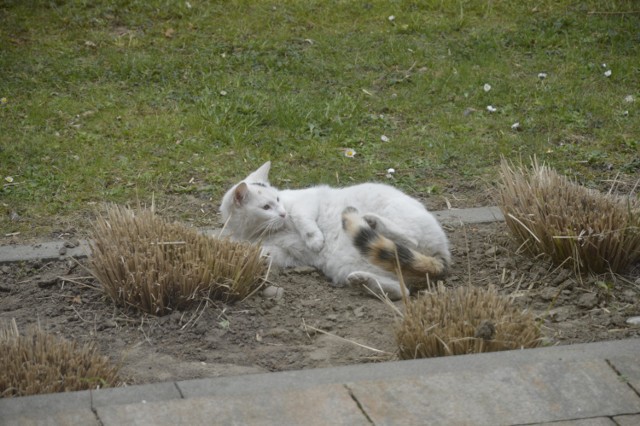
<point x="628" y="366"/>
<point x="472" y="215"/>
<point x="46" y="251"/>
<point x="47" y="404"/>
<point x="529" y="393"/>
<point x="136" y="394"/>
<point x="71" y="408"/>
<point x="66" y="418"/>
<point x="318" y="405"/>
<point x="628" y="420"/>
<point x="598" y="421"/>
<point x="402" y="369"/>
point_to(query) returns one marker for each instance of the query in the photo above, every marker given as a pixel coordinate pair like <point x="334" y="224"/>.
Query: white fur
<point x="303" y="227"/>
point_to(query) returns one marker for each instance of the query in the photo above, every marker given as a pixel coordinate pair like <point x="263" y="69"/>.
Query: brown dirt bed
<point x="261" y="334"/>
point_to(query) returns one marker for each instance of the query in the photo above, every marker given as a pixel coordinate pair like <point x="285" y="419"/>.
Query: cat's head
<point x="253" y="206"/>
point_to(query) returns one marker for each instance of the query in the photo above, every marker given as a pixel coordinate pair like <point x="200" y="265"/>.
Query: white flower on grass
<point x="629" y="99"/>
<point x="223" y="93"/>
<point x="607" y="73"/>
<point x="491" y="108"/>
<point x="3" y="101"/>
<point x="349" y="152"/>
<point x="542" y="75"/>
<point x="384" y="138"/>
<point x="515" y="126"/>
<point x="391" y="18"/>
<point x="390" y="173"/>
<point x="9" y="179"/>
<point x="487" y="87"/>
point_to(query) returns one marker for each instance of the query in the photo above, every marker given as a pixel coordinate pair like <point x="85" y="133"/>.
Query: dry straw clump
<point x="462" y="321"/>
<point x="145" y="262"/>
<point x="551" y="215"/>
<point x="37" y="363"/>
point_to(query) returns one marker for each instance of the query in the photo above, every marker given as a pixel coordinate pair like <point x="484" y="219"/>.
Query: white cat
<point x="322" y="227"/>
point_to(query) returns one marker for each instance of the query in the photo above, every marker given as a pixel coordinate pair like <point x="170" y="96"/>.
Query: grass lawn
<point x="124" y="100"/>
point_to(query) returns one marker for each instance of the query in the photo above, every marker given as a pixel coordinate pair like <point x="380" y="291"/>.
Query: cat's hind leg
<point x="376" y="284"/>
<point x="389" y="229"/>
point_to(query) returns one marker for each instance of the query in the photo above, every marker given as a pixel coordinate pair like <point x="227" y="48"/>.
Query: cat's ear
<point x="240" y="194"/>
<point x="260" y="175"/>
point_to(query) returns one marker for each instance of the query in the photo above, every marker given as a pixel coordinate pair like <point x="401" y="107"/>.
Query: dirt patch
<point x="264" y="334"/>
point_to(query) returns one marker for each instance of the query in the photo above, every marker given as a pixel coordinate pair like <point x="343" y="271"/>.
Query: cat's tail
<point x="387" y="253"/>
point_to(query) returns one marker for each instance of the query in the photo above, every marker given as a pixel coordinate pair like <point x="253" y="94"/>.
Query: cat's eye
<point x="266" y="207"/>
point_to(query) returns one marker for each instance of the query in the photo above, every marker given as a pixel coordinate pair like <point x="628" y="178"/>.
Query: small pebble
<point x="62" y="251"/>
<point x="303" y="270"/>
<point x="588" y="300"/>
<point x="71" y="243"/>
<point x="633" y="320"/>
<point x="273" y="292"/>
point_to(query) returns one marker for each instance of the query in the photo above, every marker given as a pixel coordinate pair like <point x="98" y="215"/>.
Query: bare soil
<point x="264" y="334"/>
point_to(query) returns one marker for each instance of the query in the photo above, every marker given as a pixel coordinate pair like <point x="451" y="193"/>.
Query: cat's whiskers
<point x="267" y="229"/>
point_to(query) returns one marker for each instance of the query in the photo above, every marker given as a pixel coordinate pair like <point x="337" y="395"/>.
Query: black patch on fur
<point x="404" y="254"/>
<point x="363" y="240"/>
<point x="386" y="254"/>
<point x="264" y="185"/>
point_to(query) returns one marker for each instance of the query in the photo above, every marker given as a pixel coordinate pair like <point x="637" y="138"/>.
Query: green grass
<point x="119" y="100"/>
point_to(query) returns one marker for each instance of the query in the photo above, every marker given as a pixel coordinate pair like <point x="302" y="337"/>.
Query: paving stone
<point x="70" y="408"/>
<point x="472" y="215"/>
<point x="530" y="393"/>
<point x="67" y="418"/>
<point x="628" y="420"/>
<point x="42" y="251"/>
<point x="319" y="405"/>
<point x="629" y="368"/>
<point x="598" y="421"/>
<point x="47" y="403"/>
<point x="134" y="394"/>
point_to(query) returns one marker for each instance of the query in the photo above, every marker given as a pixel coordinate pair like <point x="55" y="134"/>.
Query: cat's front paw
<point x="315" y="241"/>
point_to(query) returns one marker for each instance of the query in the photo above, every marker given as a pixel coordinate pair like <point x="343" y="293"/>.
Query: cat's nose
<point x="283" y="215"/>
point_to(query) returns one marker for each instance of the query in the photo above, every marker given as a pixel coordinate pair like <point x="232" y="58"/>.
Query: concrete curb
<point x="58" y="250"/>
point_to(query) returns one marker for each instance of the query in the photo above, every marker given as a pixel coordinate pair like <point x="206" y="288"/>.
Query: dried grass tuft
<point x="145" y="262"/>
<point x="37" y="363"/>
<point x="551" y="215"/>
<point x="462" y="321"/>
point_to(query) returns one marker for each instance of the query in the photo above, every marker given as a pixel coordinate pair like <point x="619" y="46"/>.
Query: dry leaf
<point x="169" y="32"/>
